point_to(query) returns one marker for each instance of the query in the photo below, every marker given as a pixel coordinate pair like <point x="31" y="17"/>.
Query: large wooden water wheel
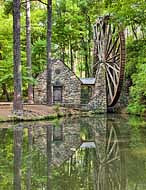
<point x="109" y="51"/>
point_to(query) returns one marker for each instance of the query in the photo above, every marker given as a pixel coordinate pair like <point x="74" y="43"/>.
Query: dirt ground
<point x="32" y="110"/>
<point x="5" y="109"/>
<point x="35" y="112"/>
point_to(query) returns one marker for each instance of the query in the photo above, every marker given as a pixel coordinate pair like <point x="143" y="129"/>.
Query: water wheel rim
<point x="113" y="93"/>
<point x="121" y="71"/>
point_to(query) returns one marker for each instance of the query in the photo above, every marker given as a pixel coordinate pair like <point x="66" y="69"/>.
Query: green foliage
<point x="136" y="68"/>
<point x="137" y="122"/>
<point x="128" y="12"/>
<point x="6" y="67"/>
<point x="38" y="57"/>
<point x="135" y="55"/>
<point x="72" y="40"/>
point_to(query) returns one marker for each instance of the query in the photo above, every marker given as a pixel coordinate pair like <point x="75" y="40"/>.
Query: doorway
<point x="57" y="94"/>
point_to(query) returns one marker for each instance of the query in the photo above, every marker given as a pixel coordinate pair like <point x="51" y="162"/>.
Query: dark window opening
<point x="86" y="93"/>
<point x="57" y="94"/>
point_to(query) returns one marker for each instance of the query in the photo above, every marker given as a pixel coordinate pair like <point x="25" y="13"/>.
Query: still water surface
<point x="88" y="153"/>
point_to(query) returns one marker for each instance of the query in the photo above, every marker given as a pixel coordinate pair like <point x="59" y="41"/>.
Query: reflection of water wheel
<point x="111" y="164"/>
<point x="109" y="50"/>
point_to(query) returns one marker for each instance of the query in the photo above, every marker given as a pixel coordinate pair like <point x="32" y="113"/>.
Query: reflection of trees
<point x="17" y="156"/>
<point x="29" y="160"/>
<point x="49" y="155"/>
<point x="75" y="173"/>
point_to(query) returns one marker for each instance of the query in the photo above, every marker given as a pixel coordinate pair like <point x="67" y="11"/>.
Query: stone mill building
<point x="68" y="89"/>
<point x="66" y="86"/>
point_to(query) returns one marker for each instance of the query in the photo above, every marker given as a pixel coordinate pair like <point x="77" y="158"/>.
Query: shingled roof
<point x="88" y="81"/>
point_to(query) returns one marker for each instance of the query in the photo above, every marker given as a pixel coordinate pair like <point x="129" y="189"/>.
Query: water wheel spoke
<point x="114" y="57"/>
<point x="112" y="67"/>
<point x="113" y="46"/>
<point x="118" y="48"/>
<point x="111" y="149"/>
<point x="113" y="159"/>
<point x="117" y="60"/>
<point x="114" y="60"/>
<point x="117" y="151"/>
<point x="109" y="140"/>
<point x="99" y="36"/>
<point x="116" y="65"/>
<point x="112" y="143"/>
<point x="111" y="77"/>
<point x="109" y="87"/>
<point x="108" y="46"/>
<point x="114" y="29"/>
<point x="110" y="32"/>
<point x="116" y="75"/>
<point x="94" y="32"/>
<point x="112" y="64"/>
<point x="109" y="38"/>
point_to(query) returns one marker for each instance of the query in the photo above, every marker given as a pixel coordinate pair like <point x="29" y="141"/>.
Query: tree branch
<point x="35" y="0"/>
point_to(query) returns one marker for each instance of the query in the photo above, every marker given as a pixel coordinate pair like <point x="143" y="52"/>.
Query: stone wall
<point x="61" y="76"/>
<point x="98" y="101"/>
<point x="40" y="89"/>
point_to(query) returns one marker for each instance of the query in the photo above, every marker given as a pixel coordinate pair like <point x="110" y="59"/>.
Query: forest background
<point x="72" y="41"/>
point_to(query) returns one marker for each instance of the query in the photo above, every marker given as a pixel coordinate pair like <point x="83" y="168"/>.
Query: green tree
<point x="49" y="64"/>
<point x="28" y="51"/>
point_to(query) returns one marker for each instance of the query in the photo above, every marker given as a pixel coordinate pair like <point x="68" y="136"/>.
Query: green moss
<point x="137" y="122"/>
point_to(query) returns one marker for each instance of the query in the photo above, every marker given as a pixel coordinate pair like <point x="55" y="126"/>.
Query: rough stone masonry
<point x="66" y="88"/>
<point x="62" y="77"/>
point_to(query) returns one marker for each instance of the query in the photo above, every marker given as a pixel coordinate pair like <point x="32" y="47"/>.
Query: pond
<point x="80" y="153"/>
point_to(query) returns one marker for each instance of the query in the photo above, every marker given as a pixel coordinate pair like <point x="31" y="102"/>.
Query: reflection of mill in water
<point x="64" y="138"/>
<point x="90" y="148"/>
<point x="108" y="158"/>
<point x="101" y="152"/>
<point x="109" y="164"/>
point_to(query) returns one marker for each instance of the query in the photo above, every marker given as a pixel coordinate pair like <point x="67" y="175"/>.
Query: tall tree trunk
<point x="17" y="156"/>
<point x="63" y="53"/>
<point x="89" y="44"/>
<point x="81" y="67"/>
<point x="49" y="64"/>
<point x="86" y="64"/>
<point x="17" y="104"/>
<point x="5" y="92"/>
<point x="72" y="58"/>
<point x="28" y="51"/>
